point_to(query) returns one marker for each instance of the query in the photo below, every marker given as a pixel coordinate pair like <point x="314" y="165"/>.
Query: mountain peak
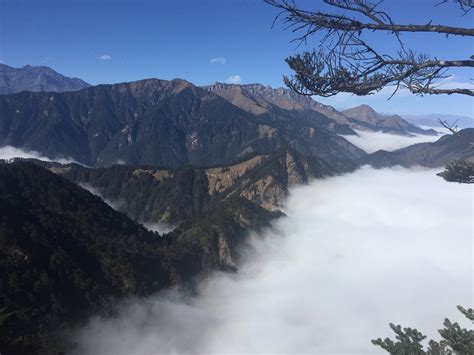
<point x="148" y="87"/>
<point x="257" y="98"/>
<point x="36" y="78"/>
<point x="364" y="115"/>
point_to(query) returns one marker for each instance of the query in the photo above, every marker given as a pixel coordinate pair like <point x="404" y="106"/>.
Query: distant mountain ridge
<point x="263" y="96"/>
<point x="435" y="154"/>
<point x="159" y="123"/>
<point x="432" y="120"/>
<point x="36" y="79"/>
<point x="259" y="99"/>
<point x="365" y="116"/>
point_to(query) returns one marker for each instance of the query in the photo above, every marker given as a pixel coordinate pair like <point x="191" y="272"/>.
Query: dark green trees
<point x="455" y="340"/>
<point x="461" y="171"/>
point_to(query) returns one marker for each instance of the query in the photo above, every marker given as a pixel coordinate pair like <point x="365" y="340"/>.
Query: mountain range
<point x="435" y="154"/>
<point x="65" y="252"/>
<point x="175" y="123"/>
<point x="160" y="123"/>
<point x="213" y="162"/>
<point x="36" y="78"/>
<point x="263" y="100"/>
<point x="365" y="117"/>
<point x="432" y="120"/>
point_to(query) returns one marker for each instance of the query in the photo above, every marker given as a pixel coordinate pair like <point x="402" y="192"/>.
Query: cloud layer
<point x="116" y="205"/>
<point x="105" y="57"/>
<point x="9" y="152"/>
<point x="372" y="141"/>
<point x="160" y="227"/>
<point x="355" y="253"/>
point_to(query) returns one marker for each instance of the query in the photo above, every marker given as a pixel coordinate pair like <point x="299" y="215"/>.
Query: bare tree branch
<point x="380" y="20"/>
<point x="464" y="5"/>
<point x="453" y="128"/>
<point x="346" y="63"/>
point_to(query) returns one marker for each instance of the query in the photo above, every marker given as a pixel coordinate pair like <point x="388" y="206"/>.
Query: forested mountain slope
<point x="155" y="122"/>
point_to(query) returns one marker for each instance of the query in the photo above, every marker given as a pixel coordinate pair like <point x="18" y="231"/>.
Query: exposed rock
<point x="223" y="178"/>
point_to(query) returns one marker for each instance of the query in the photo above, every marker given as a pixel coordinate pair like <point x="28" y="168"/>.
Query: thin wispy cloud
<point x="234" y="79"/>
<point x="160" y="227"/>
<point x="453" y="82"/>
<point x="105" y="57"/>
<point x="372" y="141"/>
<point x="218" y="60"/>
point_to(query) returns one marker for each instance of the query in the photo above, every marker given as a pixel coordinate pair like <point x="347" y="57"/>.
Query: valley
<point x="236" y="177"/>
<point x="163" y="199"/>
<point x="314" y="277"/>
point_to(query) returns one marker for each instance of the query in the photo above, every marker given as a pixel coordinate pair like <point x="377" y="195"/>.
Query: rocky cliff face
<point x="158" y="123"/>
<point x="30" y="78"/>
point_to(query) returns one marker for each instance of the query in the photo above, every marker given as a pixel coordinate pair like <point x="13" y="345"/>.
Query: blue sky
<point x="108" y="41"/>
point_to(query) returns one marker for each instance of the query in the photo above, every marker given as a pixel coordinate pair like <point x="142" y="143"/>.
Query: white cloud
<point x="116" y="205"/>
<point x="372" y="141"/>
<point x="234" y="79"/>
<point x="105" y="57"/>
<point x="218" y="60"/>
<point x="451" y="83"/>
<point x="9" y="152"/>
<point x="356" y="252"/>
<point x="160" y="227"/>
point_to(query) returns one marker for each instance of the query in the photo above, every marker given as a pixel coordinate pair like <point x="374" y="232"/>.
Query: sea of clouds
<point x="354" y="253"/>
<point x="370" y="142"/>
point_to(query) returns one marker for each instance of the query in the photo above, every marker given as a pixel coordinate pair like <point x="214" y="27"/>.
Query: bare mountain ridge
<point x="264" y="96"/>
<point x="366" y="116"/>
<point x="259" y="99"/>
<point x="36" y="79"/>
